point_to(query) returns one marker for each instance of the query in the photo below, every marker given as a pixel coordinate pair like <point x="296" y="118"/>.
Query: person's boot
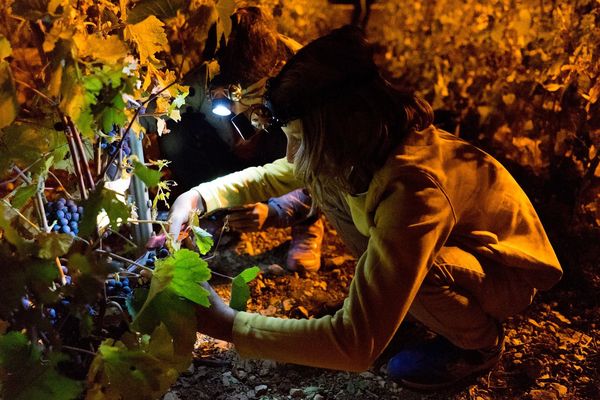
<point x="305" y="248"/>
<point x="437" y="364"/>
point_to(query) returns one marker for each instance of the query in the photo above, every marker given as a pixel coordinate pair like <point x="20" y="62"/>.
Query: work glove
<point x="251" y="217"/>
<point x="184" y="206"/>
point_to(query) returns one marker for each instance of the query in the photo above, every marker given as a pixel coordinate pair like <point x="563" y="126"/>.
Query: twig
<point x="126" y="134"/>
<point x="146" y="221"/>
<point x="52" y="102"/>
<point x="64" y="189"/>
<point x="74" y="154"/>
<point x="38" y="201"/>
<point x="221" y="275"/>
<point x="22" y="216"/>
<point x="63" y="280"/>
<point x="121" y="258"/>
<point x="79" y="146"/>
<point x="79" y="350"/>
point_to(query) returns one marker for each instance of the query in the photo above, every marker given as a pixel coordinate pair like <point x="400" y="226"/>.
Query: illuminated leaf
<point x="26" y="377"/>
<point x="9" y="106"/>
<point x="108" y="50"/>
<point x="203" y="239"/>
<point x="183" y="271"/>
<point x="5" y="48"/>
<point x="181" y="274"/>
<point x="225" y="8"/>
<point x="76" y="101"/>
<point x="149" y="36"/>
<point x="553" y="87"/>
<point x="23" y="194"/>
<point x="240" y="292"/>
<point x="102" y="199"/>
<point x="162" y="9"/>
<point x="150" y="177"/>
<point x="53" y="245"/>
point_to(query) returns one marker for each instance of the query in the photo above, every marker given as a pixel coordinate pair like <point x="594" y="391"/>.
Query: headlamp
<point x="222" y="98"/>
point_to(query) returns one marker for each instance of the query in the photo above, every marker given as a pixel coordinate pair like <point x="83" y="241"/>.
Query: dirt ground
<point x="551" y="350"/>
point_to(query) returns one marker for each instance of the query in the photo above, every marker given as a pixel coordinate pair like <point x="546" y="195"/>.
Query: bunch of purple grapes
<point x="118" y="288"/>
<point x="112" y="145"/>
<point x="64" y="215"/>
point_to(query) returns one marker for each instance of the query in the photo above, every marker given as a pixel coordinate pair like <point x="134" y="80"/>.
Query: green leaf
<point x="149" y="36"/>
<point x="183" y="271"/>
<point x="134" y="374"/>
<point x="27" y="377"/>
<point x="162" y="9"/>
<point x="10" y="233"/>
<point x="9" y="107"/>
<point x="204" y="240"/>
<point x="5" y="48"/>
<point x="53" y="245"/>
<point x="240" y="292"/>
<point x="23" y="194"/>
<point x="150" y="177"/>
<point x="102" y="199"/>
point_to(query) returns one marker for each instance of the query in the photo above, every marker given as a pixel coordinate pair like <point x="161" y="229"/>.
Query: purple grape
<point x="65" y="229"/>
<point x="73" y="225"/>
<point x="59" y="205"/>
<point x="51" y="313"/>
<point x="60" y="214"/>
<point x="56" y="228"/>
<point x="80" y="210"/>
<point x="26" y="303"/>
<point x="63" y="221"/>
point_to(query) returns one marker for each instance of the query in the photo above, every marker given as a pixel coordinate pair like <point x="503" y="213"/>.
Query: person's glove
<point x="251" y="217"/>
<point x="181" y="210"/>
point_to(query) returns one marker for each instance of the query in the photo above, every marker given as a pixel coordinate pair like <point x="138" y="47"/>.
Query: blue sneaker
<point x="437" y="364"/>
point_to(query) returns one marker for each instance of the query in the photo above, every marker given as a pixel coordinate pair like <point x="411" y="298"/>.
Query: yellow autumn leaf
<point x="109" y="50"/>
<point x="5" y="48"/>
<point x="149" y="36"/>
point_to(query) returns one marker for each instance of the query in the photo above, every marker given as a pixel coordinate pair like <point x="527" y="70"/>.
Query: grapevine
<point x="86" y="310"/>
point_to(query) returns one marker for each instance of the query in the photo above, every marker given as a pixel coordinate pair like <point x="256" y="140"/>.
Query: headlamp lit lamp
<point x="222" y="98"/>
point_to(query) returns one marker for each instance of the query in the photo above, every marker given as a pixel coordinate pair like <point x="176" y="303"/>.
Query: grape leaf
<point x="23" y="194"/>
<point x="118" y="372"/>
<point x="150" y="177"/>
<point x="225" y="8"/>
<point x="108" y="50"/>
<point x="203" y="239"/>
<point x="76" y="100"/>
<point x="182" y="272"/>
<point x="26" y="377"/>
<point x="53" y="245"/>
<point x="149" y="36"/>
<point x="240" y="292"/>
<point x="10" y="233"/>
<point x="102" y="199"/>
<point x="177" y="314"/>
<point x="5" y="48"/>
<point x="162" y="9"/>
<point x="9" y="107"/>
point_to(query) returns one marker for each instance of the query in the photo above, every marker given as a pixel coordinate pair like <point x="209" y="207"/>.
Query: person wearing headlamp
<point x="442" y="231"/>
<point x="224" y="132"/>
